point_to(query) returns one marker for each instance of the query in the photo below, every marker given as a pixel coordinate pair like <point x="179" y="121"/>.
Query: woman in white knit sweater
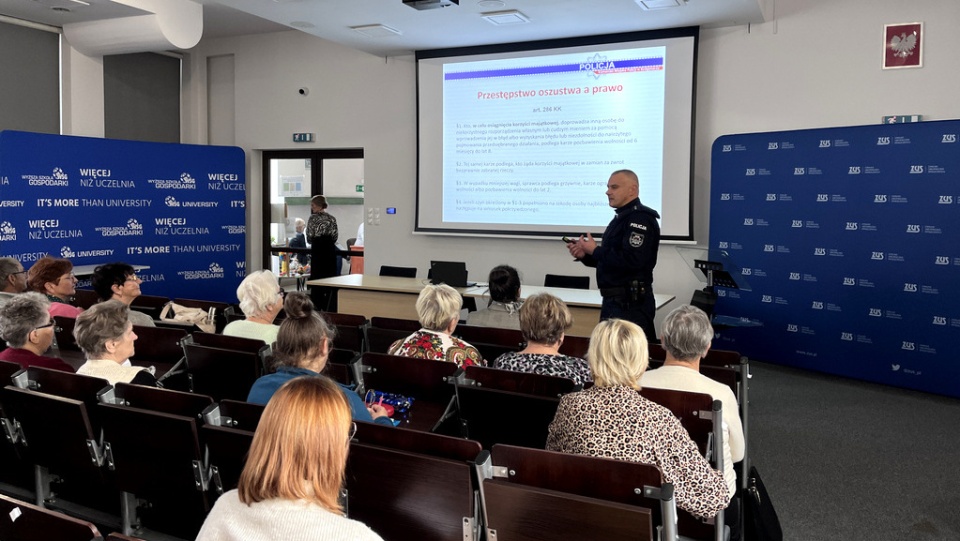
<point x="290" y="484"/>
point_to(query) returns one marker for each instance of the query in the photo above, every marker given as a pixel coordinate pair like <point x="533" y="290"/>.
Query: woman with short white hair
<point x="612" y="420"/>
<point x="261" y="299"/>
<point x="438" y="309"/>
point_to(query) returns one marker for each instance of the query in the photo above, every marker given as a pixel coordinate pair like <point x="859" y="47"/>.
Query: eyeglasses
<point x="353" y="431"/>
<point x="132" y="278"/>
<point x="18" y="272"/>
<point x="282" y="292"/>
<point x="70" y="276"/>
<point x="51" y="324"/>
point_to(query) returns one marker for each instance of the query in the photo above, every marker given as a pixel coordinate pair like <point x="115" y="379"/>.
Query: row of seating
<point x="179" y="451"/>
<point x="22" y="521"/>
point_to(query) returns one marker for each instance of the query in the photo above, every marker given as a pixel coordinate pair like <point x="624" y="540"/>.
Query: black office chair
<point x="570" y="282"/>
<point x="401" y="272"/>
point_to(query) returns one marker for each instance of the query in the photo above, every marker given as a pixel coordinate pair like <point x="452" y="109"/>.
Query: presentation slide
<point x="523" y="142"/>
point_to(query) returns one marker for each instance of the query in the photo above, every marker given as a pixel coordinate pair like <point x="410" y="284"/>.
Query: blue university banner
<point x="178" y="209"/>
<point x="849" y="240"/>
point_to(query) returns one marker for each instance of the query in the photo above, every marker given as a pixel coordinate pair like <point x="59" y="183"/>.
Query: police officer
<point x="627" y="256"/>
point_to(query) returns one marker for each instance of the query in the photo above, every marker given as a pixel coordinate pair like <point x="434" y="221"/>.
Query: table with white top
<point x="391" y="296"/>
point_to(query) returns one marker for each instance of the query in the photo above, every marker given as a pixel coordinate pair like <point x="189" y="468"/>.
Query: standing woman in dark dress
<point x="322" y="234"/>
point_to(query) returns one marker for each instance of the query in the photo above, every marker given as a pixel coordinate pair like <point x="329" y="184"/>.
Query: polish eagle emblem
<point x="904" y="44"/>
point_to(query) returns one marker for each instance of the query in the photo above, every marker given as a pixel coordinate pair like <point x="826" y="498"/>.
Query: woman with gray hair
<point x="612" y="420"/>
<point x="261" y="299"/>
<point x="106" y="336"/>
<point x="438" y="308"/>
<point x="686" y="335"/>
<point x="27" y="327"/>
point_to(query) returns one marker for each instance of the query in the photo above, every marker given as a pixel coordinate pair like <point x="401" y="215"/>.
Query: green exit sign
<point x="359" y="188"/>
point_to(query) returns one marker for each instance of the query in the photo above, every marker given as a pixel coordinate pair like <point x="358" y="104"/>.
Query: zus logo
<point x="724" y="197"/>
<point x="796" y="223"/>
<point x="773" y="146"/>
<point x="874" y="312"/>
<point x="883" y="140"/>
<point x="910" y="288"/>
<point x="751" y="172"/>
<point x="723" y="244"/>
<point x="942" y="260"/>
<point x="791" y="327"/>
<point x="916" y="169"/>
<point x="848" y="336"/>
<point x="822" y="198"/>
<point x="824" y="143"/>
<point x="799" y="171"/>
<point x="817" y="305"/>
<point x="767" y="247"/>
<point x="727" y="148"/>
<point x="945" y="200"/>
<point x="794" y="275"/>
<point x="771" y="197"/>
<point x="853" y="170"/>
<point x="766" y="298"/>
<point x="748" y="221"/>
<point x="847" y="281"/>
<point x="746" y="272"/>
<point x="913" y="228"/>
<point x="939" y="320"/>
<point x="852" y="226"/>
<point x="907" y="346"/>
<point x="876" y="256"/>
<point x="879" y="198"/>
<point x="819" y="251"/>
<point x="949" y="138"/>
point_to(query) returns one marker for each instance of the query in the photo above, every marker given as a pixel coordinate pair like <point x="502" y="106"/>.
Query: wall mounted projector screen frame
<point x="520" y="139"/>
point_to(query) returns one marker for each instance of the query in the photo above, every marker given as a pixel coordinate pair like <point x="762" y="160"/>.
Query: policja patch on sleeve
<point x="636" y="240"/>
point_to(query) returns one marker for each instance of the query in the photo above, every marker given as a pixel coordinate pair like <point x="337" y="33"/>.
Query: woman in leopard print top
<point x="612" y="420"/>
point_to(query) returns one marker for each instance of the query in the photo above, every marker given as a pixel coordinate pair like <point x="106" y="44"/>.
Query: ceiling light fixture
<point x="376" y="30"/>
<point x="650" y="5"/>
<point x="503" y="18"/>
<point x="302" y="24"/>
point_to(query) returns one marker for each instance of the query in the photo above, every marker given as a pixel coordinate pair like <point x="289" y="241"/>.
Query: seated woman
<point x="543" y="320"/>
<point x="261" y="299"/>
<point x="301" y="349"/>
<point x="438" y="308"/>
<point x="120" y="281"/>
<point x="106" y="336"/>
<point x="290" y="486"/>
<point x="503" y="309"/>
<point x="27" y="327"/>
<point x="54" y="278"/>
<point x="612" y="420"/>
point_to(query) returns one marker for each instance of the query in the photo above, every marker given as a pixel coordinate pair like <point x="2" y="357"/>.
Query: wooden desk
<point x="391" y="296"/>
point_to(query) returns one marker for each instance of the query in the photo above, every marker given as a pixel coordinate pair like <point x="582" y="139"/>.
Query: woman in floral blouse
<point x="438" y="308"/>
<point x="612" y="420"/>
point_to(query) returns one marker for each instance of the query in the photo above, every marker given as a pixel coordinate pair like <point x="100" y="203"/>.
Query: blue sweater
<point x="265" y="386"/>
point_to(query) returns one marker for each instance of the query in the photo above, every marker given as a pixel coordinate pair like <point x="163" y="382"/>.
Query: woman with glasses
<point x="290" y="485"/>
<point x="106" y="336"/>
<point x="54" y="278"/>
<point x="120" y="281"/>
<point x="303" y="345"/>
<point x="26" y="326"/>
<point x="261" y="299"/>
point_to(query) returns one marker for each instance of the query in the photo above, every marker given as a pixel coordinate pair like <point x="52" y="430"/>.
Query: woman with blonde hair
<point x="543" y="320"/>
<point x="290" y="485"/>
<point x="612" y="420"/>
<point x="438" y="308"/>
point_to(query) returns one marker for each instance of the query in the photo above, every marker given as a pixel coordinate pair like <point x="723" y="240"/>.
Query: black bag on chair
<point x="760" y="518"/>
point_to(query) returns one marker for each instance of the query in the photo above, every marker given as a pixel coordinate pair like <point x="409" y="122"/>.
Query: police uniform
<point x="625" y="262"/>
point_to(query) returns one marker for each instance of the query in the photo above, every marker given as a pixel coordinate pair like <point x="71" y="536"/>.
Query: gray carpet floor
<point x="849" y="460"/>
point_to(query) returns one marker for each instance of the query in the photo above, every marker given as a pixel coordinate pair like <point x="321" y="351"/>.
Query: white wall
<point x="816" y="64"/>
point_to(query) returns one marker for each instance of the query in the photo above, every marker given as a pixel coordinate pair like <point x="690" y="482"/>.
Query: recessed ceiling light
<point x="660" y="4"/>
<point x="376" y="30"/>
<point x="491" y="4"/>
<point x="501" y="18"/>
<point x="302" y="24"/>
